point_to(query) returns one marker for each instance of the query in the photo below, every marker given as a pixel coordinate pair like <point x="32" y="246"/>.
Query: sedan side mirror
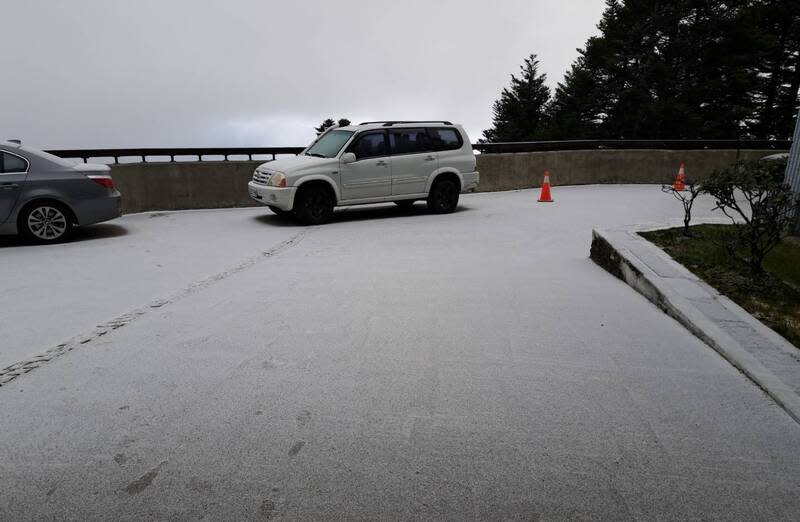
<point x="348" y="157"/>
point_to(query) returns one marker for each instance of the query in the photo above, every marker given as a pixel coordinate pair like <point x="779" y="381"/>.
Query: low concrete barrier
<point x="184" y="185"/>
<point x="585" y="167"/>
<point x="223" y="184"/>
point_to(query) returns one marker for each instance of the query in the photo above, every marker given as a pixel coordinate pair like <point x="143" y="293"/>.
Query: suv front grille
<point x="261" y="177"/>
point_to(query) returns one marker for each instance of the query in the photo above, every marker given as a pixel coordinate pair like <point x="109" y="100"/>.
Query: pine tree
<point x="520" y="113"/>
<point x="578" y="108"/>
<point x="328" y="123"/>
<point x="684" y="69"/>
<point x="777" y="26"/>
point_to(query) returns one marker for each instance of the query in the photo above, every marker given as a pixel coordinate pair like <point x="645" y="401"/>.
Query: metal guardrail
<point x="546" y="146"/>
<point x="485" y="148"/>
<point x="86" y="154"/>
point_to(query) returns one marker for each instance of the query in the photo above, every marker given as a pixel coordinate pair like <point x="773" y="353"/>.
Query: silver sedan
<point x="42" y="197"/>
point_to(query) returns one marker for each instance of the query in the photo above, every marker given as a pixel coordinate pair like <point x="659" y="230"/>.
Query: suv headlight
<point x="277" y="180"/>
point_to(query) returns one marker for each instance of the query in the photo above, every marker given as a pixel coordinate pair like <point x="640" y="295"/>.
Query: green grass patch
<point x="773" y="298"/>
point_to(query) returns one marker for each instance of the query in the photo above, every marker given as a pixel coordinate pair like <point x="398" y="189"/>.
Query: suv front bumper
<point x="282" y="198"/>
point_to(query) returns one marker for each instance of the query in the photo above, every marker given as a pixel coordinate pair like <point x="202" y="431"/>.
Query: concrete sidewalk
<point x="767" y="358"/>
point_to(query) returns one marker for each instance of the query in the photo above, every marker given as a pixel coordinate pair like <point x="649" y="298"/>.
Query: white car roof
<point x="397" y="124"/>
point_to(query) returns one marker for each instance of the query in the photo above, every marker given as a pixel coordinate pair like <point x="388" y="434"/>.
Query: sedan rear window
<point x="10" y="163"/>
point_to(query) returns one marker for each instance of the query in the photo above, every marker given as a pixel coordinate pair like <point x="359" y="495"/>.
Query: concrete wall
<point x="220" y="184"/>
<point x="184" y="185"/>
<point x="582" y="167"/>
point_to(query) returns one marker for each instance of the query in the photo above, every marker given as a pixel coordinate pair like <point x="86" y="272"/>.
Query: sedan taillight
<point x="105" y="181"/>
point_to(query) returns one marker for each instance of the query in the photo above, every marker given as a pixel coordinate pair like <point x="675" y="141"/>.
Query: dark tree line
<point x="667" y="70"/>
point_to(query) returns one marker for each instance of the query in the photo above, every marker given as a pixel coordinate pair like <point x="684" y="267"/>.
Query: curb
<point x="613" y="251"/>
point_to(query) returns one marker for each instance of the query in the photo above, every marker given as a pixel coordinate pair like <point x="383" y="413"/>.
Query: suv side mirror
<point x="348" y="157"/>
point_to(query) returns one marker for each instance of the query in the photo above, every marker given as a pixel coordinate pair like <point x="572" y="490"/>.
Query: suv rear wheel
<point x="46" y="222"/>
<point x="314" y="205"/>
<point x="443" y="197"/>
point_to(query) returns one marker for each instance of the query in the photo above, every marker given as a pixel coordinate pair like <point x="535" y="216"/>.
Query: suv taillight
<point x="105" y="181"/>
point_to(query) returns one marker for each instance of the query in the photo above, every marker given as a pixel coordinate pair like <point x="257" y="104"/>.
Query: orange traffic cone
<point x="544" y="196"/>
<point x="680" y="179"/>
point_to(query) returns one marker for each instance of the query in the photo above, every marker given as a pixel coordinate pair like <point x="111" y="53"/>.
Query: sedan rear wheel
<point x="45" y="223"/>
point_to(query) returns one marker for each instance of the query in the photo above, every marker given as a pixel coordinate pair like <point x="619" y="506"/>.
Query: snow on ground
<point x="388" y="365"/>
<point x="57" y="291"/>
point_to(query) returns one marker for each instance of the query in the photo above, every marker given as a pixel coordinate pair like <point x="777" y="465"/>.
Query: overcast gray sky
<point x="172" y="73"/>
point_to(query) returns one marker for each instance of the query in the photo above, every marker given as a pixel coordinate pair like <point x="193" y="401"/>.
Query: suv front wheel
<point x="443" y="197"/>
<point x="313" y="205"/>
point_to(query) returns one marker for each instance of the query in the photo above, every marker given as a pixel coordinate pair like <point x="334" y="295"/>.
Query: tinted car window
<point x="409" y="141"/>
<point x="369" y="145"/>
<point x="10" y="163"/>
<point x="446" y="139"/>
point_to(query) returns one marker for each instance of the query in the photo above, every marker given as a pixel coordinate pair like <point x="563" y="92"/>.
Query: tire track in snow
<point x="9" y="373"/>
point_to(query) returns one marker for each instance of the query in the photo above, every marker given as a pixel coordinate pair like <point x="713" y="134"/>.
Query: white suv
<point x="372" y="162"/>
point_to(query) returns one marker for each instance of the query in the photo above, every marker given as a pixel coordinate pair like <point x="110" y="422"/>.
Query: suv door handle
<point x="9" y="186"/>
<point x="381" y="163"/>
<point x="429" y="158"/>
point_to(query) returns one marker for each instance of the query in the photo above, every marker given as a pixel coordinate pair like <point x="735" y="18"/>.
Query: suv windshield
<point x="330" y="144"/>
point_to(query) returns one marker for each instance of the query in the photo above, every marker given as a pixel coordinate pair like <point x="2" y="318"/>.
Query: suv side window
<point x="446" y="138"/>
<point x="369" y="145"/>
<point x="10" y="163"/>
<point x="410" y="141"/>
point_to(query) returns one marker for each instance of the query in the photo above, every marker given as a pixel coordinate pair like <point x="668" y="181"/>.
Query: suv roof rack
<point x="389" y="123"/>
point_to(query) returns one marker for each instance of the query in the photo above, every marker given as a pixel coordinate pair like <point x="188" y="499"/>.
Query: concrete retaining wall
<point x="184" y="185"/>
<point x="584" y="167"/>
<point x="220" y="184"/>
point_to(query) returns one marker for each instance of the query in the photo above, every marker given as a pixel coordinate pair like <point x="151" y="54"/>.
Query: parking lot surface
<point x="389" y="365"/>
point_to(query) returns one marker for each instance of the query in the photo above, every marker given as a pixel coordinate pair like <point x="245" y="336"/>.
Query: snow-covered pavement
<point x="389" y="365"/>
<point x="56" y="291"/>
